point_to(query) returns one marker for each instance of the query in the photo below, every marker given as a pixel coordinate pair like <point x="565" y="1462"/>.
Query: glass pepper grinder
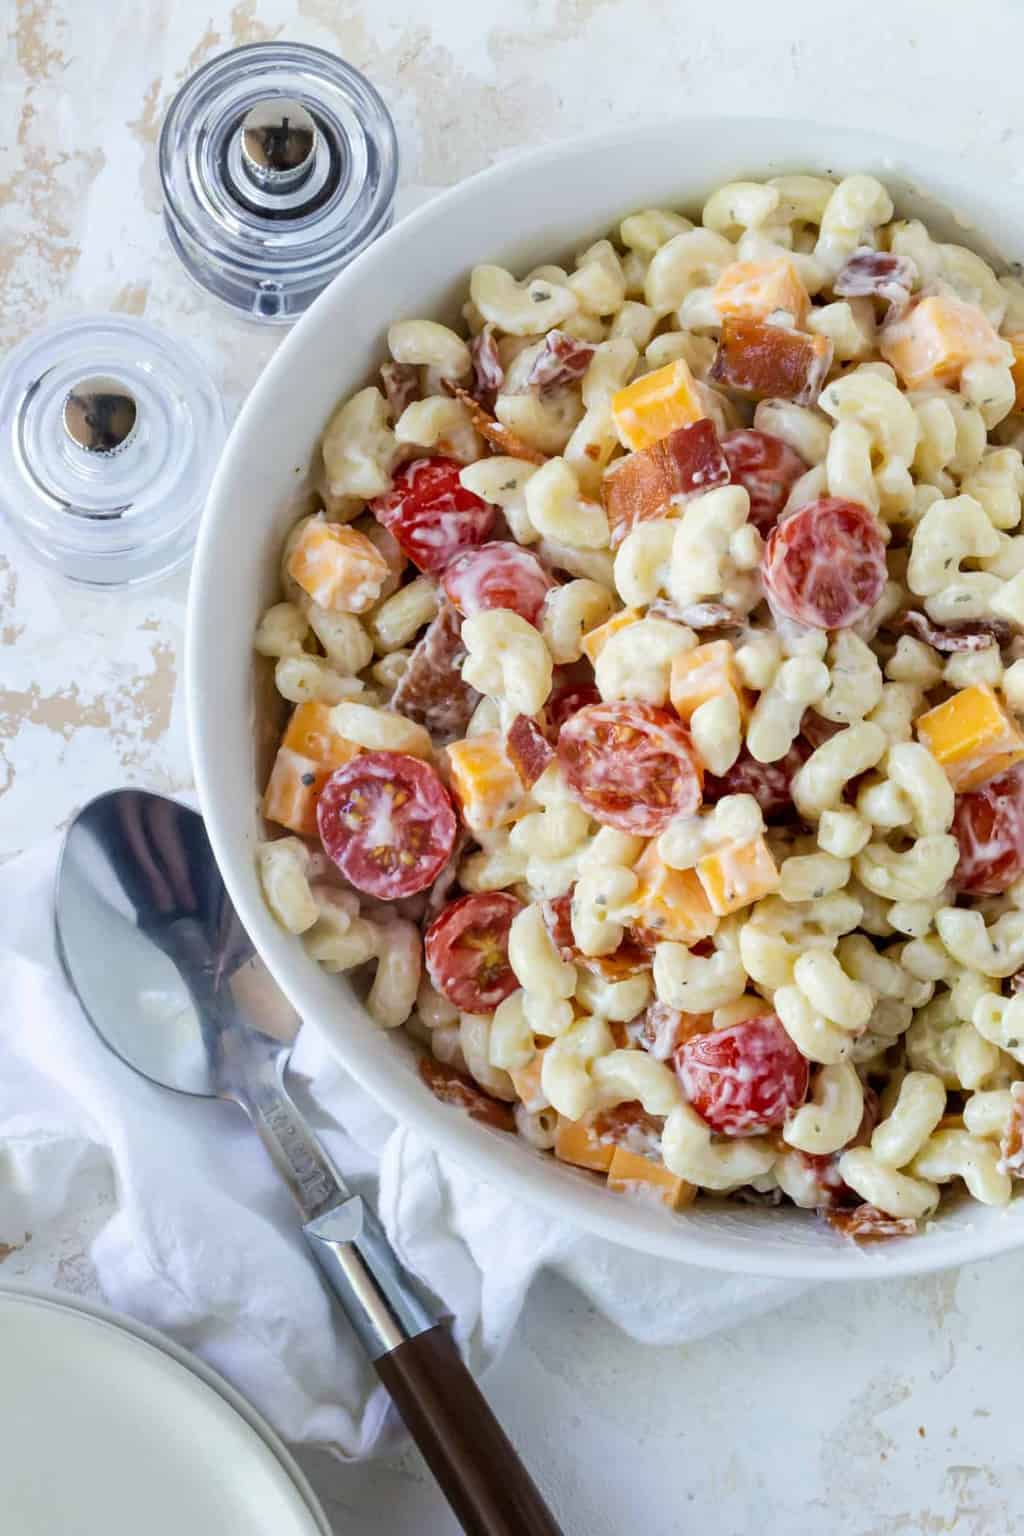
<point x="109" y="436"/>
<point x="279" y="164"/>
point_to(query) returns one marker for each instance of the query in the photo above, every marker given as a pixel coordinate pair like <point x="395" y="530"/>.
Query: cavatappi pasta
<point x="655" y="652"/>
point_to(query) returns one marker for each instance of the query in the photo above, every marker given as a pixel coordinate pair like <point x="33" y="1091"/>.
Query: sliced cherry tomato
<point x="466" y="951"/>
<point x="499" y="575"/>
<point x="388" y="823"/>
<point x="431" y="514"/>
<point x="988" y="824"/>
<point x="631" y="766"/>
<point x="824" y="564"/>
<point x="744" y="1079"/>
<point x="568" y="701"/>
<point x="769" y="783"/>
<point x="767" y="468"/>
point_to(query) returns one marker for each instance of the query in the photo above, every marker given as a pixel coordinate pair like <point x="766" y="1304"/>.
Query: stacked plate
<point x="107" y="1427"/>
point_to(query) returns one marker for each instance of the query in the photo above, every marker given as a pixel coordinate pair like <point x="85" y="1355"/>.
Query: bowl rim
<point x="400" y="1094"/>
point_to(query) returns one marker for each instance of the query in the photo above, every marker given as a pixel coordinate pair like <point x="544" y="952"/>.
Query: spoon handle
<point x="474" y="1462"/>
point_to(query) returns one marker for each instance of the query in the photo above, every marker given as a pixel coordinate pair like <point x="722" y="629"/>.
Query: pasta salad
<point x="655" y="648"/>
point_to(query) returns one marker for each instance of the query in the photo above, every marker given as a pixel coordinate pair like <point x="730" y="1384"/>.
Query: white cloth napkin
<point x="205" y="1245"/>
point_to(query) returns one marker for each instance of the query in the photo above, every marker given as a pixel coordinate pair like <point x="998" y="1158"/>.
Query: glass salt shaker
<point x="279" y="164"/>
<point x="109" y="436"/>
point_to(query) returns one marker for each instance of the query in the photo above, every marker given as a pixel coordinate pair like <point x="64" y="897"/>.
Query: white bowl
<point x="520" y="213"/>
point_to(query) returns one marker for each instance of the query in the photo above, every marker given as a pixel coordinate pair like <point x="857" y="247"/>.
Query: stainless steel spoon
<point x="167" y="976"/>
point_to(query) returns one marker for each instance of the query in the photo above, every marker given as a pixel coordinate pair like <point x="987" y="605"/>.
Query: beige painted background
<point x="861" y="1410"/>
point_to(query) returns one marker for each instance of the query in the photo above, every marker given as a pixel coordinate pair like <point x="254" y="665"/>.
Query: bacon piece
<point x="867" y="1224"/>
<point x="765" y="362"/>
<point x="401" y="383"/>
<point x="453" y="1087"/>
<point x="1011" y="1148"/>
<point x="629" y="1125"/>
<point x="497" y="434"/>
<point x="877" y="275"/>
<point x="686" y="462"/>
<point x="528" y="748"/>
<point x="769" y="783"/>
<point x="696" y="615"/>
<point x="814" y="728"/>
<point x="563" y="360"/>
<point x="965" y="635"/>
<point x="431" y="690"/>
<point x="660" y="1029"/>
<point x="557" y="915"/>
<point x="488" y="373"/>
<point x="628" y="960"/>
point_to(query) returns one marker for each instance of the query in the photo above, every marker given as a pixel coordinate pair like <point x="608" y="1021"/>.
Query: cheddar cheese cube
<point x="311" y="733"/>
<point x="629" y="1173"/>
<point x="338" y="567"/>
<point x="706" y="672"/>
<point x="736" y="875"/>
<point x="1017" y="368"/>
<point x="756" y="289"/>
<point x="936" y="340"/>
<point x="527" y="1084"/>
<point x="670" y="904"/>
<point x="594" y="643"/>
<point x="484" y="778"/>
<point x="971" y="736"/>
<point x="291" y="793"/>
<point x="576" y="1142"/>
<point x="310" y="751"/>
<point x="655" y="404"/>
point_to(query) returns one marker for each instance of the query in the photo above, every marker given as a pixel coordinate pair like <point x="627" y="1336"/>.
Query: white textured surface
<point x="861" y="1409"/>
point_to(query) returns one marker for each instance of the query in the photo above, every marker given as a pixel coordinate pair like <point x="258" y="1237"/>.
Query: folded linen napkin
<point x="204" y="1243"/>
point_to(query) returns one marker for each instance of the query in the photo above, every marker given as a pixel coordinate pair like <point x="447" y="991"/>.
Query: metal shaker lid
<point x="109" y="436"/>
<point x="279" y="164"/>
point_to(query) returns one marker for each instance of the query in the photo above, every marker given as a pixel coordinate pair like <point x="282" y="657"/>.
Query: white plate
<point x="107" y="1429"/>
<point x="533" y="209"/>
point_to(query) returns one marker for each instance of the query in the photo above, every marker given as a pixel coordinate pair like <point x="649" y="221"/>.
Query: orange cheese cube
<point x="937" y="339"/>
<point x="629" y="1173"/>
<point x="594" y="643"/>
<point x="656" y="404"/>
<point x="1017" y="368"/>
<point x="706" y="672"/>
<point x="291" y="793"/>
<point x="670" y="903"/>
<point x="738" y="874"/>
<point x="971" y="736"/>
<point x="756" y="289"/>
<point x="485" y="780"/>
<point x="310" y="751"/>
<point x="338" y="567"/>
<point x="577" y="1143"/>
<point x="527" y="1084"/>
<point x="311" y="733"/>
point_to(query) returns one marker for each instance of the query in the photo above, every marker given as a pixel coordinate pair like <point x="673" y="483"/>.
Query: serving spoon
<point x="168" y="978"/>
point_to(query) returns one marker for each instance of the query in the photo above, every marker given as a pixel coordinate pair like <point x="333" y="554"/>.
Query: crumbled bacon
<point x="816" y="730"/>
<point x="629" y="1125"/>
<point x="562" y="360"/>
<point x="695" y="615"/>
<point x="965" y="635"/>
<point x="867" y="1224"/>
<point x="401" y="383"/>
<point x="497" y="434"/>
<point x="488" y="374"/>
<point x="1011" y="1148"/>
<point x="431" y="690"/>
<point x="453" y="1087"/>
<point x="641" y="486"/>
<point x="528" y="748"/>
<point x="659" y="1029"/>
<point x="877" y="274"/>
<point x="557" y="915"/>
<point x="763" y="362"/>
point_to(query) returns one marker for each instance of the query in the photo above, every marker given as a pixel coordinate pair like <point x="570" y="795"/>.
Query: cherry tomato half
<point x="388" y="823"/>
<point x="744" y="1079"/>
<point x="431" y="514"/>
<point x="466" y="951"/>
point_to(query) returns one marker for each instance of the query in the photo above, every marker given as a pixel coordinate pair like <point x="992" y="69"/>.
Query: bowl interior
<point x="529" y="210"/>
